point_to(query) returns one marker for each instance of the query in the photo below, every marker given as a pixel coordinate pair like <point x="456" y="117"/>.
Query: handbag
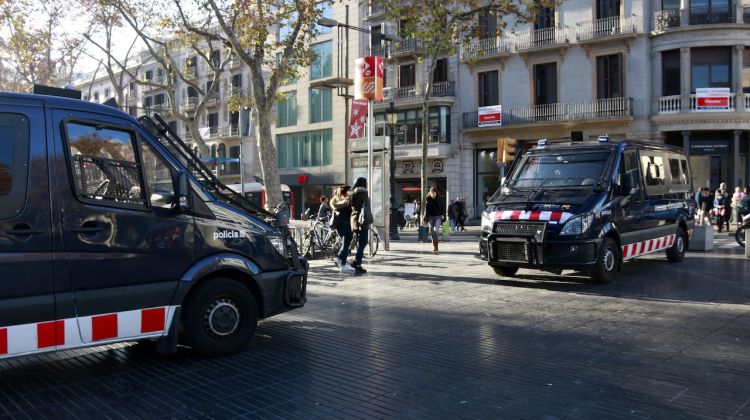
<point x="365" y="215"/>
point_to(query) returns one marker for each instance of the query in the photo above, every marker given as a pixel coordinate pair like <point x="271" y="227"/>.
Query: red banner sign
<point x="357" y="119"/>
<point x="368" y="79"/>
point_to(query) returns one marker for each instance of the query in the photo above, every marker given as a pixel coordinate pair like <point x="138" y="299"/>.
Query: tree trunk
<point x="268" y="161"/>
<point x="425" y="130"/>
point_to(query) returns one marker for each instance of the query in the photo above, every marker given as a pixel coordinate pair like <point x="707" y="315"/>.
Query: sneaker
<point x="359" y="270"/>
<point x="337" y="261"/>
<point x="347" y="269"/>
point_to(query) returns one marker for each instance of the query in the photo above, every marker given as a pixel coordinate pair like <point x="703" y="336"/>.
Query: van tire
<point x="607" y="262"/>
<point x="676" y="252"/>
<point x="219" y="317"/>
<point x="505" y="271"/>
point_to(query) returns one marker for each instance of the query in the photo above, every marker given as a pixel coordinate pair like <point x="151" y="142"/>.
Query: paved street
<point x="423" y="336"/>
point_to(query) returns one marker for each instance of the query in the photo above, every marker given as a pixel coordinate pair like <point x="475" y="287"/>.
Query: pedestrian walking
<point x="462" y="213"/>
<point x="434" y="215"/>
<point x="361" y="219"/>
<point x="453" y="210"/>
<point x="721" y="204"/>
<point x="342" y="213"/>
<point x="705" y="203"/>
<point x="735" y="203"/>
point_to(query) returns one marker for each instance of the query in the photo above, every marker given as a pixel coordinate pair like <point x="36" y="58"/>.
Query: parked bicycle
<point x="320" y="241"/>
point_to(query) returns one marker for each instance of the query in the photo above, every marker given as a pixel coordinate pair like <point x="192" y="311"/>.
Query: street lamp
<point x="392" y="116"/>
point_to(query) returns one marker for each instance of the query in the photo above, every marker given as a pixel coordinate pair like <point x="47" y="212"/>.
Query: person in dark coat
<point x="361" y="220"/>
<point x="341" y="203"/>
<point x="434" y="215"/>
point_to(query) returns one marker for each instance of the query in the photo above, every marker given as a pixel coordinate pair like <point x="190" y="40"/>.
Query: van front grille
<point x="511" y="251"/>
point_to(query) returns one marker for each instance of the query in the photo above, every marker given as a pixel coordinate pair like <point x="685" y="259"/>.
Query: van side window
<point x="685" y="170"/>
<point x="674" y="171"/>
<point x="158" y="178"/>
<point x="104" y="165"/>
<point x="629" y="167"/>
<point x="14" y="163"/>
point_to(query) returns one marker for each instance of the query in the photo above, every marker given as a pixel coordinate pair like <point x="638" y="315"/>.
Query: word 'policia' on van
<point x="589" y="206"/>
<point x="111" y="230"/>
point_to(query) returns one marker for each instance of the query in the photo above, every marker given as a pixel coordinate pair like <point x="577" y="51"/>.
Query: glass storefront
<point x="488" y="177"/>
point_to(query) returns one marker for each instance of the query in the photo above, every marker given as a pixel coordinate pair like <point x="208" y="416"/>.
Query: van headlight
<point x="578" y="225"/>
<point x="278" y="242"/>
<point x="486" y="222"/>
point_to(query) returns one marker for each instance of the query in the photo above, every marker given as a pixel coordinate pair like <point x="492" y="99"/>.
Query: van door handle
<point x="23" y="229"/>
<point x="88" y="230"/>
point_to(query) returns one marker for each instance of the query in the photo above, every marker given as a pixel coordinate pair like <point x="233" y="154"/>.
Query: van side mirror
<point x="183" y="190"/>
<point x="624" y="184"/>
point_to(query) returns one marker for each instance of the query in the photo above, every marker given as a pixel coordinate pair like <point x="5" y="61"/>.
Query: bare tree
<point x="437" y="28"/>
<point x="165" y="47"/>
<point x="39" y="46"/>
<point x="270" y="37"/>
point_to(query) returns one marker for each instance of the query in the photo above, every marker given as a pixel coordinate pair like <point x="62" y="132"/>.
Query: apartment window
<point x="487" y="24"/>
<point x="323" y="64"/>
<point x="746" y="71"/>
<point x="324" y="11"/>
<point x="409" y="125"/>
<point x="234" y="153"/>
<point x="406" y="75"/>
<point x="149" y="74"/>
<point x="545" y="83"/>
<point x="441" y="71"/>
<point x="159" y="99"/>
<point x="208" y="88"/>
<point x="148" y="101"/>
<point x="132" y="88"/>
<point x="286" y="110"/>
<point x="488" y="88"/>
<point x="609" y="76"/>
<point x="375" y="36"/>
<point x="607" y="8"/>
<point x="320" y="105"/>
<point x="106" y="93"/>
<point x="213" y="124"/>
<point x="710" y="67"/>
<point x="192" y="92"/>
<point x="709" y="11"/>
<point x="545" y="18"/>
<point x="670" y="73"/>
<point x="403" y="25"/>
<point x="96" y="97"/>
<point x="236" y="84"/>
<point x="306" y="149"/>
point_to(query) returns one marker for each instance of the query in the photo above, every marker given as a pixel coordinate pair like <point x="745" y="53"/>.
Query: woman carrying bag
<point x="342" y="213"/>
<point x="361" y="220"/>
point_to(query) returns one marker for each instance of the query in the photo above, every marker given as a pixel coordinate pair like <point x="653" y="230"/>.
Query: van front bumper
<point x="504" y="251"/>
<point x="283" y="290"/>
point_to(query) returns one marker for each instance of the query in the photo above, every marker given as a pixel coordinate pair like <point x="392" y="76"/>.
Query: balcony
<point x="560" y="112"/>
<point x="375" y="10"/>
<point x="408" y="46"/>
<point x="158" y="80"/>
<point x="417" y="92"/>
<point x="189" y="104"/>
<point x="486" y="48"/>
<point x="234" y="62"/>
<point x="704" y="15"/>
<point x="238" y="91"/>
<point x="210" y="132"/>
<point x="540" y="39"/>
<point x="378" y="50"/>
<point x="229" y="131"/>
<point x="607" y="28"/>
<point x="673" y="104"/>
<point x="214" y="99"/>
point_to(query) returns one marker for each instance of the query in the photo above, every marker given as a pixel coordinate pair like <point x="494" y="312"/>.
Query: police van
<point x="112" y="230"/>
<point x="589" y="206"/>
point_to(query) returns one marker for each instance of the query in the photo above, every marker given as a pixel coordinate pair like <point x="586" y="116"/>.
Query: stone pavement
<point x="423" y="336"/>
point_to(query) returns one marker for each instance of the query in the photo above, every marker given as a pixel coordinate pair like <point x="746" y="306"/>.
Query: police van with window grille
<point x="589" y="206"/>
<point x="111" y="229"/>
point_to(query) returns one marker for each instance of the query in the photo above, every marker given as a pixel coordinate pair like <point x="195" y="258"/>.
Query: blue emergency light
<point x="603" y="139"/>
<point x="542" y="143"/>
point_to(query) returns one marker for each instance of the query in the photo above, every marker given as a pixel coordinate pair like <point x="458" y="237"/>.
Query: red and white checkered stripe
<point x="652" y="245"/>
<point x="16" y="340"/>
<point x="555" y="216"/>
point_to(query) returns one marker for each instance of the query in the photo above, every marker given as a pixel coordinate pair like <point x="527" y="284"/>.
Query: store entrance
<point x="408" y="189"/>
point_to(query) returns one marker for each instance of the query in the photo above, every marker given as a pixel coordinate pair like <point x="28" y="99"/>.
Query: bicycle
<point x="321" y="240"/>
<point x="739" y="236"/>
<point x="373" y="242"/>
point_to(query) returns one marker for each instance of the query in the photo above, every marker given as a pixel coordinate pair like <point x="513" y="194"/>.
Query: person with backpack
<point x="361" y="220"/>
<point x="342" y="213"/>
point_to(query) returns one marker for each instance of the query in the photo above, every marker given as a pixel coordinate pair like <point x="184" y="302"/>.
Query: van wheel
<point x="676" y="252"/>
<point x="505" y="271"/>
<point x="605" y="269"/>
<point x="219" y="317"/>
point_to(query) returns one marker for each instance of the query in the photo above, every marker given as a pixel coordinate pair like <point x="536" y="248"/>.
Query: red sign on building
<point x="368" y="79"/>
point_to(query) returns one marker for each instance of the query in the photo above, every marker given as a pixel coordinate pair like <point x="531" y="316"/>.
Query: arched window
<point x="213" y="157"/>
<point x="222" y="155"/>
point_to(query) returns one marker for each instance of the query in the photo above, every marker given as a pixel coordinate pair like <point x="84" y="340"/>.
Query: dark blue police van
<point x="112" y="230"/>
<point x="589" y="206"/>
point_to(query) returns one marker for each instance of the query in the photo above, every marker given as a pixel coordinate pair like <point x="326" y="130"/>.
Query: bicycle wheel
<point x="373" y="243"/>
<point x="309" y="245"/>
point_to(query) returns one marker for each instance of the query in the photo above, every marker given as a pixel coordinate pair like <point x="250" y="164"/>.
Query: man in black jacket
<point x="434" y="215"/>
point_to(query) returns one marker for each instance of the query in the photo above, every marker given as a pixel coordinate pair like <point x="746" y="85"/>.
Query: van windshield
<point x="568" y="169"/>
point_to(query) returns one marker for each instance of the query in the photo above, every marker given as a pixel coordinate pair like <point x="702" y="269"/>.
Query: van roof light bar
<point x="543" y="142"/>
<point x="603" y="139"/>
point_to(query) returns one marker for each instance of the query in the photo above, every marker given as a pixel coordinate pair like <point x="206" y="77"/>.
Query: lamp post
<point x="392" y="115"/>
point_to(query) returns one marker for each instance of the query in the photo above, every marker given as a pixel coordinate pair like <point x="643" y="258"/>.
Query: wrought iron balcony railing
<point x="408" y="93"/>
<point x="607" y="27"/>
<point x="540" y="38"/>
<point x="487" y="47"/>
<point x="665" y="19"/>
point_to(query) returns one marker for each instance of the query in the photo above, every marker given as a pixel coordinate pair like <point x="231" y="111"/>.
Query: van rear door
<point x="27" y="302"/>
<point x="126" y="242"/>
